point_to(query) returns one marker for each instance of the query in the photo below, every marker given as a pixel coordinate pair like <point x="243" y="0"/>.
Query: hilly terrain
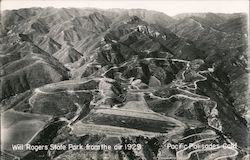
<point x="135" y="78"/>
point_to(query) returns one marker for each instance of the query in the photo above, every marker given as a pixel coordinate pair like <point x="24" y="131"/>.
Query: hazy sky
<point x="169" y="7"/>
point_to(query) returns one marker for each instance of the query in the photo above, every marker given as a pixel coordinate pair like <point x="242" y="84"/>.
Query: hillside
<point x="117" y="76"/>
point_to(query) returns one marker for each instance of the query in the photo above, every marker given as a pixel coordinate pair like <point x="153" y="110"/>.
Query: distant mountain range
<point x="104" y="76"/>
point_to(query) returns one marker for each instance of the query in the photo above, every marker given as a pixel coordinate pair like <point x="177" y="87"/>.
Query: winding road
<point x="179" y="84"/>
<point x="195" y="97"/>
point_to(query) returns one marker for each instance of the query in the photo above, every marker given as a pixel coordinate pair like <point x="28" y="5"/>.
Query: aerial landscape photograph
<point x="124" y="80"/>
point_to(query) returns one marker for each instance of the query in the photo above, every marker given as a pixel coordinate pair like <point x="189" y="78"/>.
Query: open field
<point x="20" y="128"/>
<point x="126" y="122"/>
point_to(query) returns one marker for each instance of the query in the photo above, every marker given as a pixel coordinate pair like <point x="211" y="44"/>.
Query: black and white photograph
<point x="124" y="80"/>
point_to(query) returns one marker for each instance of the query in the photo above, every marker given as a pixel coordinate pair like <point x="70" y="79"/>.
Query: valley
<point x="92" y="76"/>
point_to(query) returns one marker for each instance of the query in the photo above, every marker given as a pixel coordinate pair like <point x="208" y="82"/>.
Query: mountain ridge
<point x="124" y="76"/>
